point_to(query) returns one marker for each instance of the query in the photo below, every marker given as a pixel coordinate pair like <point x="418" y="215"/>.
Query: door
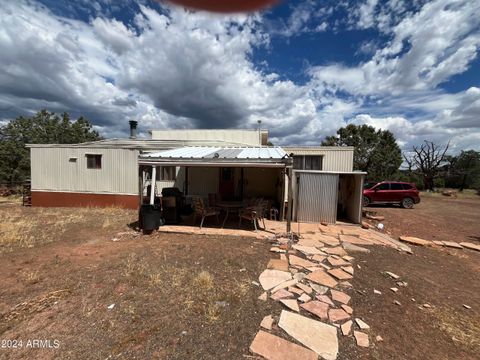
<point x="382" y="193"/>
<point x="397" y="192"/>
<point x="317" y="197"/>
<point x="226" y="184"/>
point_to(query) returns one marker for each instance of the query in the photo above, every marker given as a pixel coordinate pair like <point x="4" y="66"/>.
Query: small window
<point x="396" y="186"/>
<point x="298" y="162"/>
<point x="407" y="187"/>
<point x="166" y="173"/>
<point x="307" y="162"/>
<point x="94" y="161"/>
<point x="383" y="187"/>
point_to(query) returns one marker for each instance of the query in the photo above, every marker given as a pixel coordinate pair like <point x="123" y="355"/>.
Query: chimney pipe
<point x="133" y="129"/>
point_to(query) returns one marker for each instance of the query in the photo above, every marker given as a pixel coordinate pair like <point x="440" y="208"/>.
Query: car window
<point x="383" y="187"/>
<point x="369" y="185"/>
<point x="395" y="186"/>
<point x="407" y="187"/>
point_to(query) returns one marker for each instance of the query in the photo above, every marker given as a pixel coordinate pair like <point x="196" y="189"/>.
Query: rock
<point x="271" y="278"/>
<point x="305" y="288"/>
<point x="438" y="242"/>
<point x="452" y="244"/>
<point x="299" y="276"/>
<point x="392" y="275"/>
<point x="365" y="225"/>
<point x="348" y="258"/>
<point x="304" y="298"/>
<point x="354" y="248"/>
<point x="281" y="294"/>
<point x="322" y="278"/>
<point x="348" y="269"/>
<point x="317" y="308"/>
<point x="345" y="284"/>
<point x="362" y="324"/>
<point x="295" y="290"/>
<point x="337" y="262"/>
<point x="375" y="291"/>
<point x="340" y="296"/>
<point x="263" y="297"/>
<point x="340" y="274"/>
<point x="337" y="315"/>
<point x="328" y="240"/>
<point x="470" y="246"/>
<point x="335" y="251"/>
<point x="346" y="327"/>
<point x="318" y="258"/>
<point x="325" y="299"/>
<point x="325" y="266"/>
<point x="284" y="285"/>
<point x="308" y="250"/>
<point x="373" y="217"/>
<point x="255" y="283"/>
<point x="276" y="249"/>
<point x="396" y="302"/>
<point x="298" y="261"/>
<point x="394" y="289"/>
<point x="277" y="264"/>
<point x="379" y="338"/>
<point x="111" y="306"/>
<point x="272" y="347"/>
<point x="283" y="257"/>
<point x="427" y="306"/>
<point x="319" y="289"/>
<point x="292" y="304"/>
<point x="467" y="306"/>
<point x="415" y="240"/>
<point x="267" y="322"/>
<point x="347" y="309"/>
<point x="361" y="339"/>
<point x="318" y="336"/>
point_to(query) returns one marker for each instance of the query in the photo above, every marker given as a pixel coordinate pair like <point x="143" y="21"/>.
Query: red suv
<point x="391" y="192"/>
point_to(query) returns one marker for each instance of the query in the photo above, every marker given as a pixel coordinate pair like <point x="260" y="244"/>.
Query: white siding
<point x="52" y="170"/>
<point x="334" y="158"/>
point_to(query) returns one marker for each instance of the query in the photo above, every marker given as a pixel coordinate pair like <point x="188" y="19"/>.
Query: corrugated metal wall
<point x="53" y="169"/>
<point x="334" y="158"/>
<point x="316" y="198"/>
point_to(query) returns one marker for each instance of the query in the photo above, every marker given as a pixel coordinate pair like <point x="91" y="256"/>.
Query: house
<point x="236" y="164"/>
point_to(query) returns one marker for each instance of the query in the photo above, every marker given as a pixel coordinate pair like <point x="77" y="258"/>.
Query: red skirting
<point x="67" y="199"/>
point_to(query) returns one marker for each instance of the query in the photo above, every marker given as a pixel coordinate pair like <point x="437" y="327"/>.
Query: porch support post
<point x="152" y="185"/>
<point x="290" y="201"/>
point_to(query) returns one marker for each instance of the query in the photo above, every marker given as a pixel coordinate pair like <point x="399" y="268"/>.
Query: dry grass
<point x="461" y="328"/>
<point x="203" y="281"/>
<point x="31" y="277"/>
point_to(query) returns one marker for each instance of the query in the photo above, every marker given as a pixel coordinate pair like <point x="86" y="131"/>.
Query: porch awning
<point x="218" y="157"/>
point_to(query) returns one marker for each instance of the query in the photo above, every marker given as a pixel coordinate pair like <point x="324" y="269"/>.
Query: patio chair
<point x="253" y="214"/>
<point x="201" y="210"/>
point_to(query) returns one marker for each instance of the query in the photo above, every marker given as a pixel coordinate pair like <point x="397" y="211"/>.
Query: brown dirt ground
<point x="175" y="296"/>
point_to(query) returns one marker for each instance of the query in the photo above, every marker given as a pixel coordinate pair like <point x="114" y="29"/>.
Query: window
<point x="383" y="187"/>
<point x="166" y="173"/>
<point x="307" y="162"/>
<point x="94" y="161"/>
<point x="396" y="186"/>
<point x="407" y="187"/>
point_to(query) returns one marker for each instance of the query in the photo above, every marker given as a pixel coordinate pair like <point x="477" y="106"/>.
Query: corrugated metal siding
<point x="317" y="197"/>
<point x="202" y="181"/>
<point x="52" y="170"/>
<point x="334" y="158"/>
<point x="207" y="152"/>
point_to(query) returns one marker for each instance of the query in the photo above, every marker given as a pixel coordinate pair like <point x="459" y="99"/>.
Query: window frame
<point x="97" y="160"/>
<point x="302" y="160"/>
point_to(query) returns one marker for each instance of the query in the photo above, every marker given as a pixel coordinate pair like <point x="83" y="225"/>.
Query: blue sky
<point x="305" y="68"/>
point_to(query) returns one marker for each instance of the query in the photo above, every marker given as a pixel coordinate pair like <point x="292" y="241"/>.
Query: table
<point x="229" y="206"/>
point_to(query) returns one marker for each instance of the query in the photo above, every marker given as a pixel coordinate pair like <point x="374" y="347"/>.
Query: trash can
<point x="150" y="217"/>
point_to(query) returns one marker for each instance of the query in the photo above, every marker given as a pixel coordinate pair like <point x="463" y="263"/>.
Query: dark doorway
<point x="227" y="183"/>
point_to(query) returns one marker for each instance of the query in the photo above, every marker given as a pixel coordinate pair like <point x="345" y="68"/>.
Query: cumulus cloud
<point x="169" y="67"/>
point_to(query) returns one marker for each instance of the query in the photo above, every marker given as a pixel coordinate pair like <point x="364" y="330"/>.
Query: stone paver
<point x="355" y="248"/>
<point x="319" y="289"/>
<point x="335" y="251"/>
<point x="272" y="347"/>
<point x="305" y="288"/>
<point x="295" y="290"/>
<point x="355" y="240"/>
<point x="346" y="327"/>
<point x="318" y="258"/>
<point x="340" y="274"/>
<point x="281" y="294"/>
<point x="263" y="297"/>
<point x="362" y="324"/>
<point x="304" y="298"/>
<point x="337" y="262"/>
<point x="347" y="309"/>
<point x="340" y="296"/>
<point x="309" y="250"/>
<point x="278" y="264"/>
<point x="337" y="315"/>
<point x="292" y="304"/>
<point x="415" y="241"/>
<point x="317" y="308"/>
<point x="452" y="244"/>
<point x="361" y="338"/>
<point x="298" y="261"/>
<point x="318" y="336"/>
<point x="322" y="278"/>
<point x="285" y="284"/>
<point x="325" y="299"/>
<point x="267" y="322"/>
<point x="329" y="240"/>
<point x="271" y="278"/>
<point x="348" y="269"/>
<point x="470" y="246"/>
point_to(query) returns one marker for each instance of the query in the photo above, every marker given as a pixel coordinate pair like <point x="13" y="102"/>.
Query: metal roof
<point x="218" y="156"/>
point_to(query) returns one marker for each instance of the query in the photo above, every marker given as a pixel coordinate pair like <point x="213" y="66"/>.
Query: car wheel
<point x="407" y="203"/>
<point x="365" y="201"/>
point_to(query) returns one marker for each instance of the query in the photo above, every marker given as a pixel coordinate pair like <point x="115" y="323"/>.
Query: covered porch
<point x="219" y="182"/>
